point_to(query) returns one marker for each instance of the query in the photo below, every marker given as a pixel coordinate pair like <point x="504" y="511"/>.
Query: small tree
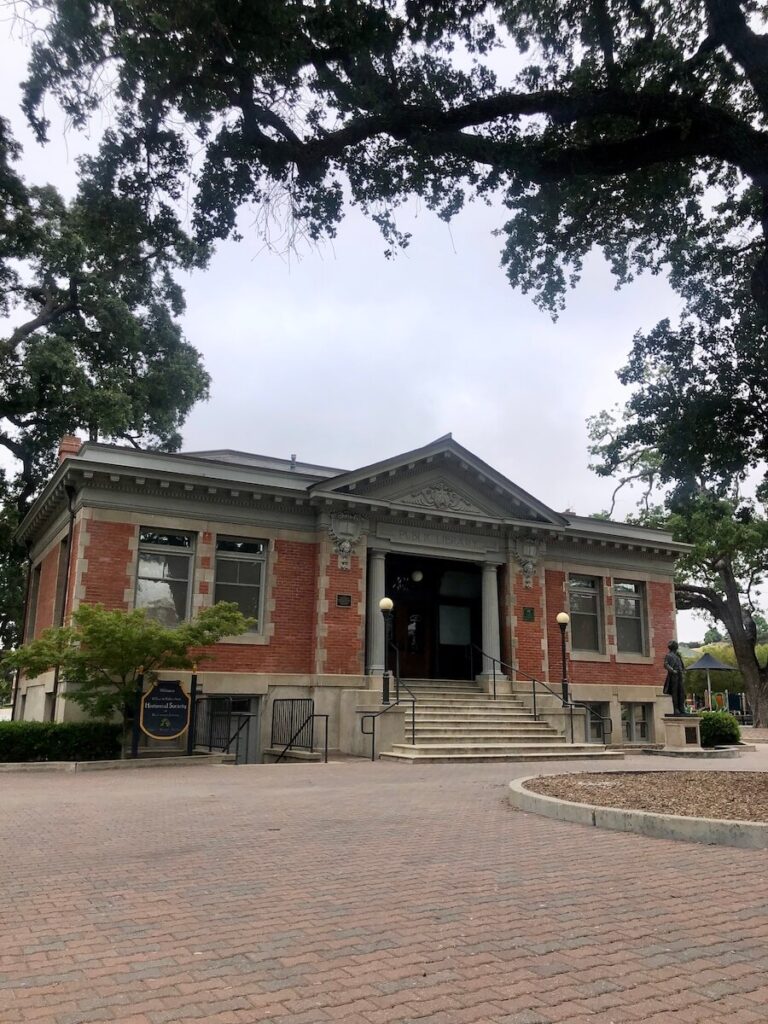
<point x="102" y="653"/>
<point x="713" y="636"/>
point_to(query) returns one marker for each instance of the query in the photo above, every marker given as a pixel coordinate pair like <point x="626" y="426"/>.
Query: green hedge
<point x="59" y="741"/>
<point x="719" y="728"/>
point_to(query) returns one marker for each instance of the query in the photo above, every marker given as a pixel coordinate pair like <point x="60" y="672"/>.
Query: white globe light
<point x="386" y="604"/>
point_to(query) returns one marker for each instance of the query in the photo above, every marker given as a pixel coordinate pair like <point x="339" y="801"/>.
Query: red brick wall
<point x="661" y="615"/>
<point x="344" y="639"/>
<point x="554" y="582"/>
<point x="46" y="594"/>
<point x="290" y="648"/>
<point x="529" y="650"/>
<point x="110" y="560"/>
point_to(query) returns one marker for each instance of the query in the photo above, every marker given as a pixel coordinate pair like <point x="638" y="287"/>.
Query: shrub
<point x="59" y="741"/>
<point x="718" y="728"/>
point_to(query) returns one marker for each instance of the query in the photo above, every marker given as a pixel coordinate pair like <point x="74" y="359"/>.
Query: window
<point x="34" y="592"/>
<point x="634" y="723"/>
<point x="598" y="721"/>
<point x="629" y="604"/>
<point x="165" y="570"/>
<point x="586" y="618"/>
<point x="240" y="575"/>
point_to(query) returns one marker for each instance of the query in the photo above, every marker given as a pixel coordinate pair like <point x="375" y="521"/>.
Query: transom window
<point x="629" y="605"/>
<point x="584" y="593"/>
<point x="164" y="574"/>
<point x="240" y="575"/>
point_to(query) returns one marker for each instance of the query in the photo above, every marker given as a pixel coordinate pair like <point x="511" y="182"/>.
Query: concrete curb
<point x="747" y="835"/>
<point x="699" y="752"/>
<point x="98" y="766"/>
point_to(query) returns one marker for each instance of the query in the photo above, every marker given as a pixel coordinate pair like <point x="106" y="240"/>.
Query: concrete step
<point x="456" y="747"/>
<point x="597" y="753"/>
<point x="474" y="722"/>
<point x="468" y="715"/>
<point x="484" y="739"/>
<point x="445" y="694"/>
<point x="457" y="702"/>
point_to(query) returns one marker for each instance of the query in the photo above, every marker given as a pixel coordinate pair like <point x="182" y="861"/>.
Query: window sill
<point x="247" y="639"/>
<point x="634" y="659"/>
<point x="589" y="656"/>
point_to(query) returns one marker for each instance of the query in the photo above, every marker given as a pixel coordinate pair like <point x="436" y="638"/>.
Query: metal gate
<point x="220" y="726"/>
<point x="293" y="723"/>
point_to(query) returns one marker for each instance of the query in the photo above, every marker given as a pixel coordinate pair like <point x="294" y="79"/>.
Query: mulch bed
<point x="729" y="795"/>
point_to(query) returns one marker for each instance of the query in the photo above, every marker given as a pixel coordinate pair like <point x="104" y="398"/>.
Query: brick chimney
<point x="69" y="446"/>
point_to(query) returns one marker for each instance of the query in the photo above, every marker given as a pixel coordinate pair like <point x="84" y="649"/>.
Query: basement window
<point x="634" y="723"/>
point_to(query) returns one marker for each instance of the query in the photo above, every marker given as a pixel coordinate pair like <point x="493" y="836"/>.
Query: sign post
<point x="136" y="714"/>
<point x="165" y="710"/>
<point x="192" y="714"/>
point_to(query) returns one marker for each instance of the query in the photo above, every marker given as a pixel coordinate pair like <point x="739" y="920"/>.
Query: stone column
<point x="491" y="637"/>
<point x="375" y="620"/>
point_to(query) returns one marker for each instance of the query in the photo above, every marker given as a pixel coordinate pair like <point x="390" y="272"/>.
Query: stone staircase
<point x="457" y="722"/>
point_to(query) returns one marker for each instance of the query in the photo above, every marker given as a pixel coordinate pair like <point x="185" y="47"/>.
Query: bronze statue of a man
<point x="674" y="684"/>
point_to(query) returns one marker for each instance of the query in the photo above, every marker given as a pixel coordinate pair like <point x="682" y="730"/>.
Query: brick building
<point x="477" y="568"/>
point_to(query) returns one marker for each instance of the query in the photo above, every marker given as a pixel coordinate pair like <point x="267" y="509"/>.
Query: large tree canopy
<point x="727" y="561"/>
<point x="605" y="122"/>
<point x="91" y="339"/>
<point x="639" y="127"/>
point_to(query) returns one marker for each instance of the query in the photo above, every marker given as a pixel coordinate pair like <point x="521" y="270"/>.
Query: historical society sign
<point x="165" y="710"/>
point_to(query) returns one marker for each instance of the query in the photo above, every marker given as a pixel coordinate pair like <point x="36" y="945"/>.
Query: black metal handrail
<point x="493" y="661"/>
<point x="570" y="704"/>
<point x="304" y="724"/>
<point x="245" y="724"/>
<point x="373" y="715"/>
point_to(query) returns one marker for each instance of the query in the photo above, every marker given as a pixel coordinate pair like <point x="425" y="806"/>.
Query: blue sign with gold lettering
<point x="165" y="710"/>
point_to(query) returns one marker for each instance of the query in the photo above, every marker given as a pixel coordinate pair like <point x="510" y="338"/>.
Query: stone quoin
<point x="477" y="569"/>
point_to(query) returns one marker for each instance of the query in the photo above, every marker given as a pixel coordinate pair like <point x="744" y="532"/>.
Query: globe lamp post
<point x="563" y="618"/>
<point x="386" y="605"/>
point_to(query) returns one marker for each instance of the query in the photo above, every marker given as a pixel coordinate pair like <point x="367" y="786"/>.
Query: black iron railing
<point x="218" y="727"/>
<point x="371" y="716"/>
<point x="605" y="729"/>
<point x="475" y="649"/>
<point x="293" y="726"/>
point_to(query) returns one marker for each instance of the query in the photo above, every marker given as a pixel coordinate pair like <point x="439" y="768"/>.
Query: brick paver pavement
<point x="360" y="893"/>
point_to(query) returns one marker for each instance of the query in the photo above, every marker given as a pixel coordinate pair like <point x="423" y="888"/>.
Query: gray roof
<point x="225" y="468"/>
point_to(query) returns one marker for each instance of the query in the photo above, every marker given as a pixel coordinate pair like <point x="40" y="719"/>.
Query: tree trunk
<point x="727" y="610"/>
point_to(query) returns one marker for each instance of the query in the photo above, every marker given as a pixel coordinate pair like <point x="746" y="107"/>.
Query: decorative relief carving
<point x="439" y="496"/>
<point x="527" y="552"/>
<point x="345" y="530"/>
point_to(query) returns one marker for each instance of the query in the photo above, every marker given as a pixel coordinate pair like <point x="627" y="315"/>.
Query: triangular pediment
<point x="444" y="479"/>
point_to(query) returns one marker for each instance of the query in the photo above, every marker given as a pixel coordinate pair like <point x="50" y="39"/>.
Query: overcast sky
<point x="344" y="357"/>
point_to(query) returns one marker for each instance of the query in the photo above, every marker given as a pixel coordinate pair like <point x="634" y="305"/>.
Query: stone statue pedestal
<point x="683" y="732"/>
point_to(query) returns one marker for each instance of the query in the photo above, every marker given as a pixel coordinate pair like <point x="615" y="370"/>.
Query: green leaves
<point x="102" y="652"/>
